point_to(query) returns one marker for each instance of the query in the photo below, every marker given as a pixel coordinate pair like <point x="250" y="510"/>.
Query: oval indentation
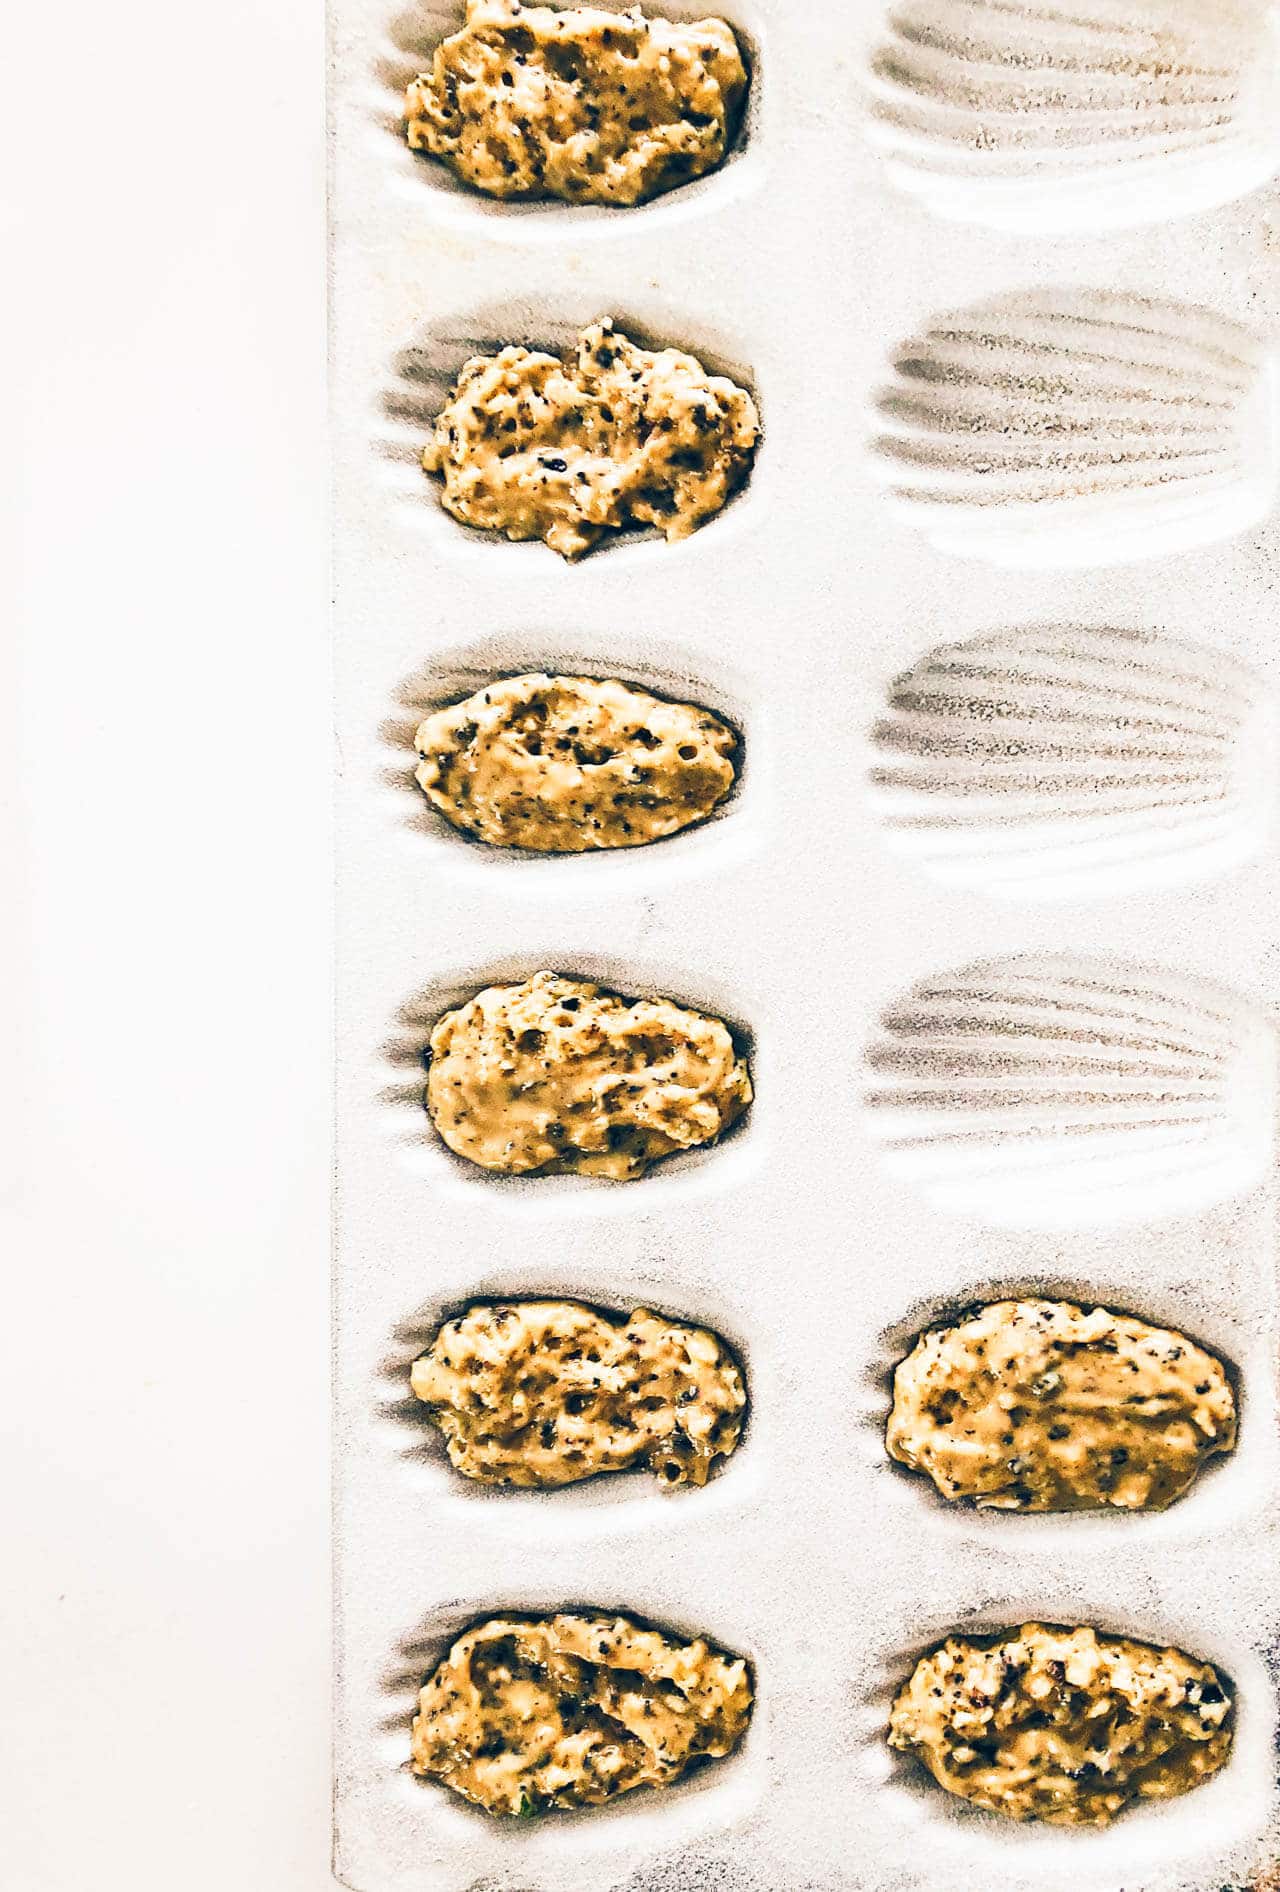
<point x="1029" y="116"/>
<point x="1225" y="1487"/>
<point x="407" y="49"/>
<point x="1177" y="1814"/>
<point x="422" y="377"/>
<point x="1196" y="1832"/>
<point x="1163" y="1716"/>
<point x="653" y="665"/>
<point x="1065" y="428"/>
<point x="1048" y="1091"/>
<point x="417" y="1654"/>
<point x="1050" y="1406"/>
<point x="421" y="1441"/>
<point x="426" y="1152"/>
<point x="1051" y="762"/>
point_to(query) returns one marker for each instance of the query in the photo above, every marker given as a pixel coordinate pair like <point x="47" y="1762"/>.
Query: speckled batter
<point x="557" y="1074"/>
<point x="540" y="1393"/>
<point x="579" y="103"/>
<point x="526" y="1714"/>
<point x="1064" y="1725"/>
<point x="568" y="764"/>
<point x="1041" y="1406"/>
<point x="614" y="437"/>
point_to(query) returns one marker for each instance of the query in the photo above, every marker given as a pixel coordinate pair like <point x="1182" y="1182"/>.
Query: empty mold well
<point x="1045" y="1090"/>
<point x="1052" y="762"/>
<point x="1062" y="428"/>
<point x="1034" y="117"/>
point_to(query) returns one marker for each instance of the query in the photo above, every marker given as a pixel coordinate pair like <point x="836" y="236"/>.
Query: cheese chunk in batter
<point x="1042" y="1406"/>
<point x="529" y="1713"/>
<point x="558" y="1074"/>
<point x="565" y="765"/>
<point x="578" y="103"/>
<point x="614" y="437"/>
<point x="544" y="1393"/>
<point x="1069" y="1726"/>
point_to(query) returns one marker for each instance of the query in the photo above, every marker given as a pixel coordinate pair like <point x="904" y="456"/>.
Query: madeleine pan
<point x="993" y="908"/>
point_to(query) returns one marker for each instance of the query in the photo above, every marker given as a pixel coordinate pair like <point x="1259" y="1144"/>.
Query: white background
<point x="164" y="965"/>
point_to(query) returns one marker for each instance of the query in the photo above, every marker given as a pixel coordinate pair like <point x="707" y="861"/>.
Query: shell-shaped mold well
<point x="407" y="47"/>
<point x="422" y="378"/>
<point x="1032" y="116"/>
<point x="1046" y="1091"/>
<point x="1066" y="428"/>
<point x="1059" y="761"/>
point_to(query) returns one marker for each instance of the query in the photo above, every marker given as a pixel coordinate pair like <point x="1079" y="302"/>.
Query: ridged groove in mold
<point x="1068" y="427"/>
<point x="1051" y="761"/>
<point x="1029" y="115"/>
<point x="1049" y="1091"/>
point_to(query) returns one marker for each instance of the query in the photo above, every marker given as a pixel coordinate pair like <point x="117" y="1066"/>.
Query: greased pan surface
<point x="1055" y="444"/>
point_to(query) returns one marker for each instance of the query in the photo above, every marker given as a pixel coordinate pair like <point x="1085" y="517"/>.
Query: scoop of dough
<point x="557" y="1074"/>
<point x="1064" y="1725"/>
<point x="542" y="1393"/>
<point x="568" y="764"/>
<point x="579" y="103"/>
<point x="529" y="1713"/>
<point x="615" y="437"/>
<point x="1040" y="1406"/>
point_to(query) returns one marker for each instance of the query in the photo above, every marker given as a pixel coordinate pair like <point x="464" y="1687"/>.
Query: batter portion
<point x="567" y="764"/>
<point x="529" y="1713"/>
<point x="612" y="437"/>
<point x="1069" y="1726"/>
<point x="590" y="106"/>
<point x="1042" y="1406"/>
<point x="558" y="1074"/>
<point x="544" y="1393"/>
